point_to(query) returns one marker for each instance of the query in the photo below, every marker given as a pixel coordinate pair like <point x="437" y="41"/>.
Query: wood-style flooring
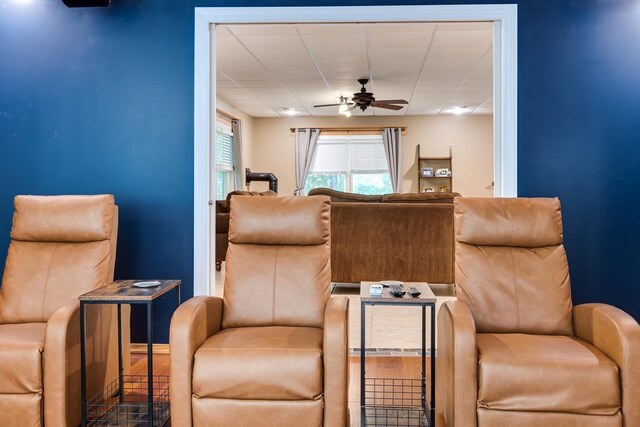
<point x="392" y="367"/>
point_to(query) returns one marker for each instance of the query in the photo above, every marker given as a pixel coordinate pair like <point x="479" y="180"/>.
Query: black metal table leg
<point x="432" y="416"/>
<point x="363" y="414"/>
<point x="120" y="367"/>
<point x="150" y="361"/>
<point x="423" y="348"/>
<point x="83" y="373"/>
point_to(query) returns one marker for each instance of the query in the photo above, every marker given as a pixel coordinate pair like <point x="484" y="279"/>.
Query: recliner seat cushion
<point x="21" y="347"/>
<point x="260" y="363"/>
<point x="543" y="373"/>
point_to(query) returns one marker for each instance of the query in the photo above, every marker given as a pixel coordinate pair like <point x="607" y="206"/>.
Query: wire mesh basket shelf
<point x="394" y="402"/>
<point x="128" y="405"/>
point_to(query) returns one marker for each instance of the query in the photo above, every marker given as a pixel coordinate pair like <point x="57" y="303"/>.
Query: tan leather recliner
<point x="513" y="351"/>
<point x="61" y="247"/>
<point x="274" y="351"/>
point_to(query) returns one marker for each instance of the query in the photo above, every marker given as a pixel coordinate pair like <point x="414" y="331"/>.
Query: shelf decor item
<point x="434" y="172"/>
<point x="426" y="172"/>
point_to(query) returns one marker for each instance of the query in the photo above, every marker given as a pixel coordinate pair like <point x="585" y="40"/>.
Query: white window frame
<point x="505" y="78"/>
<point x="351" y="139"/>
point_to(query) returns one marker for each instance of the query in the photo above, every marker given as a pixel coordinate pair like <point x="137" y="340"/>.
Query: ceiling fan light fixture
<point x="347" y="113"/>
<point x="343" y="109"/>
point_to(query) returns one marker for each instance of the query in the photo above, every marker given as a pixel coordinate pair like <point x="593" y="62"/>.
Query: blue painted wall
<point x="101" y="101"/>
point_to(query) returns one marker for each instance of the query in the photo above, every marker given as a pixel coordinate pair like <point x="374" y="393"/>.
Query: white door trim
<point x="505" y="18"/>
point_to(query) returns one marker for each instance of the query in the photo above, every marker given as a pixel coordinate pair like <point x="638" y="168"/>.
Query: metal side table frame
<point x="118" y="293"/>
<point x="426" y="299"/>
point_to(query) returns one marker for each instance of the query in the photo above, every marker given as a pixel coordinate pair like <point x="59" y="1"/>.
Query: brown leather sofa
<point x="513" y="351"/>
<point x="406" y="237"/>
<point x="61" y="247"/>
<point x="222" y="222"/>
<point x="274" y="351"/>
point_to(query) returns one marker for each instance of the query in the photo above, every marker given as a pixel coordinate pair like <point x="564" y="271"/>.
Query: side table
<point x="113" y="406"/>
<point x="398" y="401"/>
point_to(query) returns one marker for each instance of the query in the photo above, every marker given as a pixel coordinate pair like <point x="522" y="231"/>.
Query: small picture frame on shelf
<point x="426" y="172"/>
<point x="444" y="172"/>
<point x="443" y="189"/>
<point x="428" y="190"/>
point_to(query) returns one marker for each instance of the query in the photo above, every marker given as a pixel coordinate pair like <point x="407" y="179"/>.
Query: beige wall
<point x="272" y="147"/>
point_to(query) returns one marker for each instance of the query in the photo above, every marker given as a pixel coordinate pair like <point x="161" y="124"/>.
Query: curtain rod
<point x="367" y="129"/>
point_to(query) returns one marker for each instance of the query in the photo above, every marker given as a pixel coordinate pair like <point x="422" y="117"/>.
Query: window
<point x="224" y="161"/>
<point x="353" y="163"/>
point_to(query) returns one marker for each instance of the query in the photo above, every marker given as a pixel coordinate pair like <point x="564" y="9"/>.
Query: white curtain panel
<point x="392" y="141"/>
<point x="306" y="140"/>
<point x="238" y="167"/>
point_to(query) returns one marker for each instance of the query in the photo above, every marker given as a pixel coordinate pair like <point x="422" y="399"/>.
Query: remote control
<point x="414" y="292"/>
<point x="396" y="290"/>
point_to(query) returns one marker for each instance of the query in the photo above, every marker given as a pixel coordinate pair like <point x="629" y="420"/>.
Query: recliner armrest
<point x="62" y="366"/>
<point x="456" y="366"/>
<point x="192" y="323"/>
<point x="62" y="358"/>
<point x="336" y="362"/>
<point x="617" y="335"/>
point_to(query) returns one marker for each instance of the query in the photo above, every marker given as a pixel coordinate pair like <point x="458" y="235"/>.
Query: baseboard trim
<point x="142" y="348"/>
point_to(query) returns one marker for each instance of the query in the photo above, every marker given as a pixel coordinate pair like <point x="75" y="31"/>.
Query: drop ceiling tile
<point x="463" y="38"/>
<point x="330" y="28"/>
<point x="447" y="68"/>
<point x="404" y="40"/>
<point x="259" y="83"/>
<point x="248" y="73"/>
<point x="222" y="31"/>
<point x="268" y="91"/>
<point x="231" y="90"/>
<point x="457" y="53"/>
<point x="343" y="69"/>
<point x="261" y="29"/>
<point x="316" y="83"/>
<point x="226" y="84"/>
<point x="340" y="55"/>
<point x="383" y="112"/>
<point x="333" y="41"/>
<point x="270" y="42"/>
<point x="400" y="28"/>
<point x="281" y="55"/>
<point x="423" y="111"/>
<point x="465" y="26"/>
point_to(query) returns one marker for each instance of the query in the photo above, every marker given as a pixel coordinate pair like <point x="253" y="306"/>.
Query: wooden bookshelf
<point x="437" y="183"/>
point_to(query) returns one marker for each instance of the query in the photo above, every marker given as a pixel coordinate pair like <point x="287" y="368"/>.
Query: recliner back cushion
<point x="61" y="247"/>
<point x="511" y="266"/>
<point x="278" y="270"/>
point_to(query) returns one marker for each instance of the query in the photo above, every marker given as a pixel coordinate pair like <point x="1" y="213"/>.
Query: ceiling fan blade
<point x="392" y="101"/>
<point x="333" y="105"/>
<point x="387" y="106"/>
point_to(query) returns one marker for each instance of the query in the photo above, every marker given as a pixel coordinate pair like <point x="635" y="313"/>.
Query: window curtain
<point x="392" y="141"/>
<point x="306" y="140"/>
<point x="238" y="167"/>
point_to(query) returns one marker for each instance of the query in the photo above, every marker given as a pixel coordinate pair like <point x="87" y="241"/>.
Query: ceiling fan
<point x="364" y="100"/>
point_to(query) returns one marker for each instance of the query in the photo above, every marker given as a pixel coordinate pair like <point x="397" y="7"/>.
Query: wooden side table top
<point x="123" y="290"/>
<point x="426" y="295"/>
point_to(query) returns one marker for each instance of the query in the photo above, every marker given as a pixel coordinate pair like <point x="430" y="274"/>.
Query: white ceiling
<point x="265" y="69"/>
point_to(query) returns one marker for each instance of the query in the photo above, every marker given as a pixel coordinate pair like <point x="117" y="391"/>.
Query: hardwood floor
<point x="390" y="367"/>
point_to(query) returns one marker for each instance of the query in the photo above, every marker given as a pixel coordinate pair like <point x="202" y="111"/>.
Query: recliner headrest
<point x="270" y="220"/>
<point x="517" y="222"/>
<point x="72" y="219"/>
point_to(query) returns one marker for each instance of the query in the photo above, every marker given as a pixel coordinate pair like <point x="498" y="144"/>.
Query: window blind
<point x="224" y="150"/>
<point x="349" y="153"/>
